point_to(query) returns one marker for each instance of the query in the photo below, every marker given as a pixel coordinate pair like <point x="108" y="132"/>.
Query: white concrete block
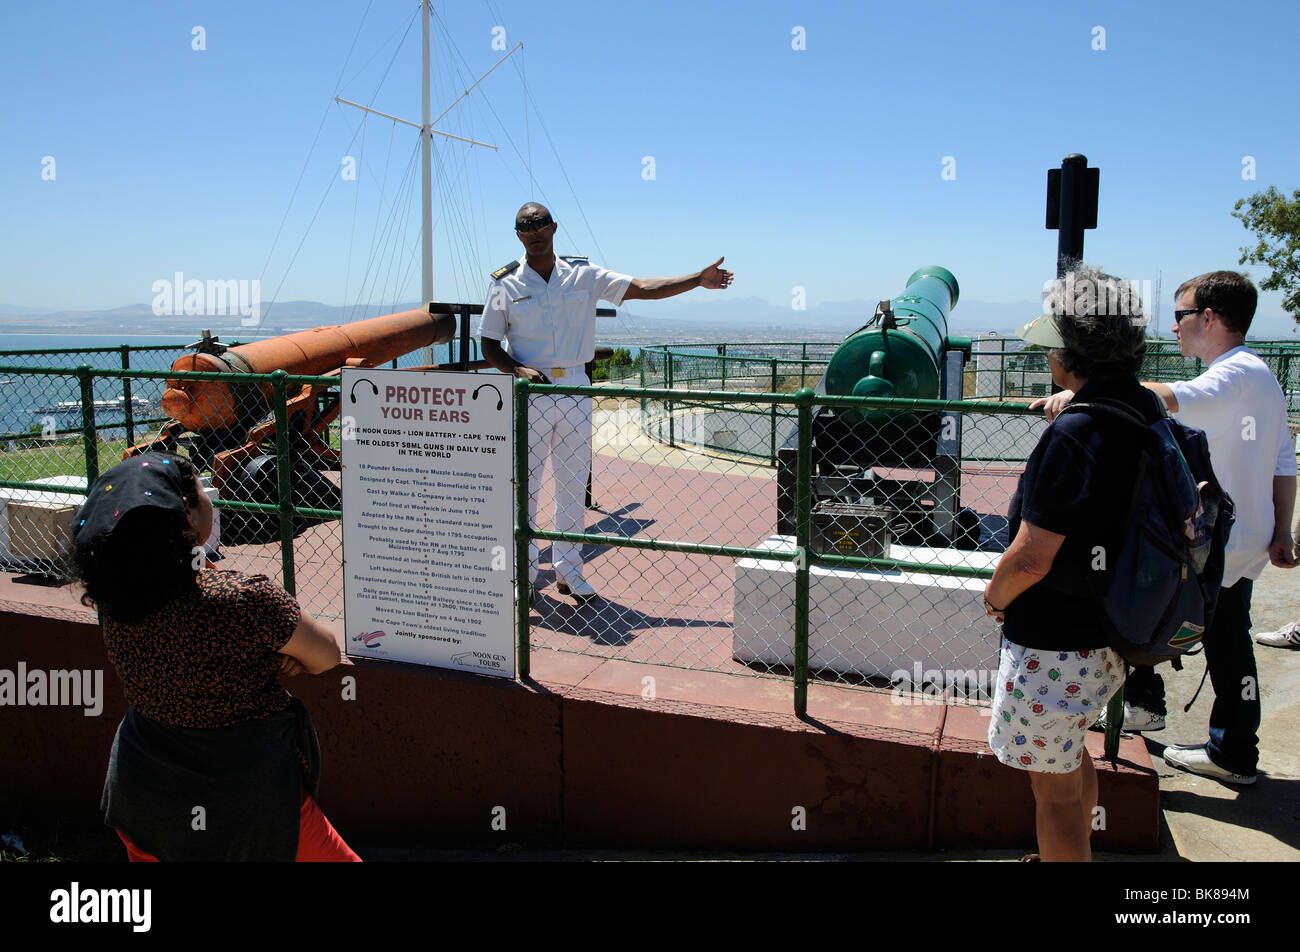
<point x="870" y="623"/>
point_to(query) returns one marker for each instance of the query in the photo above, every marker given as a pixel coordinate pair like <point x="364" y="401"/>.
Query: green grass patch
<point x="56" y="458"/>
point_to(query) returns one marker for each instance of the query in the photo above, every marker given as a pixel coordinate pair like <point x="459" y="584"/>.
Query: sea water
<point x="29" y="400"/>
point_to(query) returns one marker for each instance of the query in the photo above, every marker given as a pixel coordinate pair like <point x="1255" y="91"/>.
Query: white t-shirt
<point x="550" y="323"/>
<point x="1241" y="408"/>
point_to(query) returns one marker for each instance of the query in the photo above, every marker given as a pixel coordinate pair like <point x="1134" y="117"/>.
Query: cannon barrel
<point x="900" y="353"/>
<point x="206" y="405"/>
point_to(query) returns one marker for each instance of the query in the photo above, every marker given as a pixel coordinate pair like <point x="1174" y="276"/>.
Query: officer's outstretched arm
<point x="653" y="289"/>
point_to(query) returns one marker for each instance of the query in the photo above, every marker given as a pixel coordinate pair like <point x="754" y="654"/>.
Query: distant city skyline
<point x="149" y="139"/>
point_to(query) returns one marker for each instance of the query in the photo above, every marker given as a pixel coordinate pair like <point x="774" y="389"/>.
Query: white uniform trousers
<point x="559" y="428"/>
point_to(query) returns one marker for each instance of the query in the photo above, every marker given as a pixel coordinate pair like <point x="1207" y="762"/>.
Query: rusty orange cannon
<point x="229" y="425"/>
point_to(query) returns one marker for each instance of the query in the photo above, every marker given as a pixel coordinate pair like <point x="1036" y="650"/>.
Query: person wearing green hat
<point x="213" y="760"/>
<point x="1057" y="671"/>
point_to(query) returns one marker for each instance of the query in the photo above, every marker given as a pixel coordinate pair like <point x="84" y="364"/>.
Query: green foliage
<point x="622" y="358"/>
<point x="1275" y="220"/>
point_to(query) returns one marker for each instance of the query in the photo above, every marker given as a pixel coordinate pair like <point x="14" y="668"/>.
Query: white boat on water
<point x="111" y="405"/>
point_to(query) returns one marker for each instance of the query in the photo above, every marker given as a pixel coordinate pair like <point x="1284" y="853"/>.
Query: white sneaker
<point x="1197" y="760"/>
<point x="1140" y="720"/>
<point x="1287" y="636"/>
<point x="577" y="587"/>
<point x="1136" y="720"/>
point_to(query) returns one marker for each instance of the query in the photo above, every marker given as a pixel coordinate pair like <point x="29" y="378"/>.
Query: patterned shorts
<point x="1045" y="702"/>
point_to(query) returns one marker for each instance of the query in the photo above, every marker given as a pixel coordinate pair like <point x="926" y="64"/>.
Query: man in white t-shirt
<point x="544" y="307"/>
<point x="1241" y="408"/>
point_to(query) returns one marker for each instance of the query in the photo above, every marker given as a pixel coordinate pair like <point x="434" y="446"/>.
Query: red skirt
<point x="318" y="841"/>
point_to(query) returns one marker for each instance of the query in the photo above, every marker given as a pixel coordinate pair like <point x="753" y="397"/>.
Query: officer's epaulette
<point x="576" y="259"/>
<point x="500" y="273"/>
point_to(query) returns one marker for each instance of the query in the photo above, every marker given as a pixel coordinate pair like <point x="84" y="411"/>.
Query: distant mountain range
<point x="697" y="316"/>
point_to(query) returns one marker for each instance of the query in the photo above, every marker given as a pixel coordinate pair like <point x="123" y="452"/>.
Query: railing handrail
<point x="112" y="349"/>
<point x="116" y="373"/>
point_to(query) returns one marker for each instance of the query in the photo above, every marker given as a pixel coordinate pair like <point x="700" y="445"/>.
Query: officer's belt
<point x="556" y="373"/>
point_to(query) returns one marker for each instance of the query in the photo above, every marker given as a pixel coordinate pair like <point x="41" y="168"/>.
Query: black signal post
<point x="1071" y="207"/>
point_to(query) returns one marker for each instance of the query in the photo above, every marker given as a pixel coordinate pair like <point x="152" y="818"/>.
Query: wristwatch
<point x="990" y="610"/>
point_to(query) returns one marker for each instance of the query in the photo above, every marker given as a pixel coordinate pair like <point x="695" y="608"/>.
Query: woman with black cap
<point x="214" y="760"/>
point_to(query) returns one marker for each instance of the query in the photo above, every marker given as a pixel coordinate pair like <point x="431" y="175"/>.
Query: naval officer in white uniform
<point x="544" y="307"/>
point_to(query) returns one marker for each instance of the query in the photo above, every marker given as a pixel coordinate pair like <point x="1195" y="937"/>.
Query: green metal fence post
<point x="803" y="541"/>
<point x="668" y="385"/>
<point x="90" y="443"/>
<point x="771" y="455"/>
<point x="523" y="588"/>
<point x="642" y="360"/>
<point x="128" y="410"/>
<point x="284" y="487"/>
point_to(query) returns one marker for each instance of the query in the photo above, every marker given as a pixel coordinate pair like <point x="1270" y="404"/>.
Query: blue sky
<point x="818" y="168"/>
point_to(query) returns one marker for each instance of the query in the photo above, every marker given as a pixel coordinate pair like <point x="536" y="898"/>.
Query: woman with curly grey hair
<point x="1057" y="671"/>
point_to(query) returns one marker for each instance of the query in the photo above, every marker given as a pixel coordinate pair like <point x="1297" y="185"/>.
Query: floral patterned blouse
<point x="208" y="658"/>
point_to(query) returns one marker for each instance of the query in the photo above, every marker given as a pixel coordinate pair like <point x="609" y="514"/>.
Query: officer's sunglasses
<point x="535" y="224"/>
<point x="1179" y="315"/>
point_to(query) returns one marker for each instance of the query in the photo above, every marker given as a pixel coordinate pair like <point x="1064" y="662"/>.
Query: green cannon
<point x="900" y="351"/>
<point x="903" y="462"/>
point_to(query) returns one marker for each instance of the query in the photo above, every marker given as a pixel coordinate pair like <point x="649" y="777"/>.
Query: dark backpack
<point x="1162" y="593"/>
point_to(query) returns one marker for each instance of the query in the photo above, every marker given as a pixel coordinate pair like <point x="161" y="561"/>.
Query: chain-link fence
<point x="859" y="561"/>
<point x="832" y="538"/>
<point x="266" y="447"/>
<point x="734" y="428"/>
<point x="48" y="437"/>
<point x="1005" y="368"/>
<point x="68" y="414"/>
<point x="1001" y="369"/>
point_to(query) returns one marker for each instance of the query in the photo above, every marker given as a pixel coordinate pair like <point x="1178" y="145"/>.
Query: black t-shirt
<point x="1078" y="482"/>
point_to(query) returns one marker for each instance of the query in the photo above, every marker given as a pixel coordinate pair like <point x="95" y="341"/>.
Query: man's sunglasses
<point x="535" y="224"/>
<point x="1179" y="315"/>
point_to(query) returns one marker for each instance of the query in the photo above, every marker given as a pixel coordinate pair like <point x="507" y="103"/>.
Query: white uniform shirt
<point x="550" y="323"/>
<point x="1239" y="405"/>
